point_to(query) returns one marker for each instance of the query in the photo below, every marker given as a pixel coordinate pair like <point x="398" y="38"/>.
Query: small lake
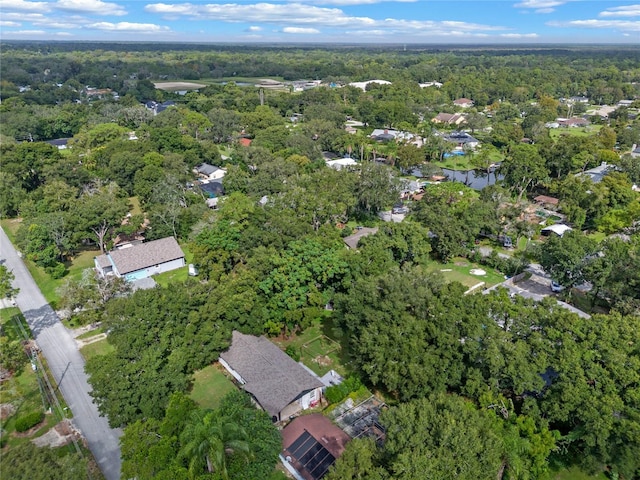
<point x="476" y="179"/>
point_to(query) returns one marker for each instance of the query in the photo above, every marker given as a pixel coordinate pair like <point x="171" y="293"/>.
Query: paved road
<point x="66" y="364"/>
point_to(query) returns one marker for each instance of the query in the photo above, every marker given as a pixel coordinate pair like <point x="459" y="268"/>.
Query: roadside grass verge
<point x="23" y="390"/>
<point x="209" y="386"/>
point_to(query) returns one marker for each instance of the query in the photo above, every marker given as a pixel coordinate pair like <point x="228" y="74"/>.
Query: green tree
<point x="523" y="168"/>
<point x="7" y="290"/>
<point x="208" y="439"/>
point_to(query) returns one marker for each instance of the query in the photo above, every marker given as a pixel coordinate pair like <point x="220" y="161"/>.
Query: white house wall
<point x="154" y="270"/>
<point x="235" y="374"/>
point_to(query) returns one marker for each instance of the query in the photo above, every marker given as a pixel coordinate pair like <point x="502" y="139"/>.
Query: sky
<point x="324" y="21"/>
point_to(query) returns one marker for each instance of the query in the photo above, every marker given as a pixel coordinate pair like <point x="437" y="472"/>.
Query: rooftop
<point x="271" y="376"/>
<point x="145" y="255"/>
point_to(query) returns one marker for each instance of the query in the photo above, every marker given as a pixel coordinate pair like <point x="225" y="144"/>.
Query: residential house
<point x="449" y="118"/>
<point x="462" y="140"/>
<point x="386" y="135"/>
<point x="279" y="385"/>
<point x="209" y="172"/>
<point x="573" y="122"/>
<point x="578" y="99"/>
<point x="635" y="151"/>
<point x="244" y="142"/>
<point x="341" y="163"/>
<point x="463" y="103"/>
<point x="59" y="143"/>
<point x="546" y="201"/>
<point x="361" y="232"/>
<point x="625" y="103"/>
<point x="311" y="445"/>
<point x="136" y="261"/>
<point x="430" y="84"/>
<point x="211" y="188"/>
<point x="598" y="173"/>
<point x="558" y="229"/>
<point x="363" y="85"/>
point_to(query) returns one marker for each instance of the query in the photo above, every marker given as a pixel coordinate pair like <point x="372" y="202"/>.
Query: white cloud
<point x="64" y="34"/>
<point x="300" y="30"/>
<point x="305" y="15"/>
<point x="254" y="28"/>
<point x="519" y="35"/>
<point x="624" y="25"/>
<point x="344" y="3"/>
<point x="540" y="4"/>
<point x="9" y="24"/>
<point x="48" y="21"/>
<point x="97" y="7"/>
<point x="128" y="27"/>
<point x="545" y="10"/>
<point x="626" y="11"/>
<point x="22" y="6"/>
<point x="27" y="32"/>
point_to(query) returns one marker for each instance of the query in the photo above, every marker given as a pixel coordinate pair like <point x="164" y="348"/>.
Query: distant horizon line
<point x="343" y="44"/>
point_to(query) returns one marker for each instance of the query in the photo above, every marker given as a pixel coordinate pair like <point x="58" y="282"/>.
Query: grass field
<point x="556" y="133"/>
<point x="101" y="347"/>
<point x="317" y="357"/>
<point x="210" y="385"/>
<point x="458" y="270"/>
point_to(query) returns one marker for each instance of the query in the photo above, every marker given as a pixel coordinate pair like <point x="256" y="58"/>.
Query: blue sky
<point x="339" y="21"/>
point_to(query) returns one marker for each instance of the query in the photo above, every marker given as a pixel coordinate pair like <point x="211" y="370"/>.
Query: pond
<point x="476" y="179"/>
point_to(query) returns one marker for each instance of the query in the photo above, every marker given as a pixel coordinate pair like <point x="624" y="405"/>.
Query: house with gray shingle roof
<point x="133" y="262"/>
<point x="278" y="384"/>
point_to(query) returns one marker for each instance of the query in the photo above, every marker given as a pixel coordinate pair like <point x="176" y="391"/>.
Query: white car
<point x="193" y="271"/>
<point x="556" y="287"/>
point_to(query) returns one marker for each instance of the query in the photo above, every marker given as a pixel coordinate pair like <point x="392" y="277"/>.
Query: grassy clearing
<point x="135" y="206"/>
<point x="176" y="276"/>
<point x="556" y="133"/>
<point x="101" y="347"/>
<point x="319" y="356"/>
<point x="597" y="236"/>
<point x="210" y="385"/>
<point x="458" y="270"/>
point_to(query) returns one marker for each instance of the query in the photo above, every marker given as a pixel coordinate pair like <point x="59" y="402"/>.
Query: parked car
<point x="193" y="271"/>
<point x="556" y="287"/>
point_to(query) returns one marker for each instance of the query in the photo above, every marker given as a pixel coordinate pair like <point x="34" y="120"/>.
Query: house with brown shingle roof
<point x="463" y="102"/>
<point x="143" y="260"/>
<point x="281" y="386"/>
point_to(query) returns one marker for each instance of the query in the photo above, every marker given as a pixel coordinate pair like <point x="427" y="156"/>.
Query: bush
<point x="28" y="421"/>
<point x="338" y="393"/>
<point x="293" y="352"/>
<point x="57" y="271"/>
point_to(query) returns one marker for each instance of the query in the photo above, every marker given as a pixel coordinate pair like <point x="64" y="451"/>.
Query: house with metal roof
<point x="134" y="262"/>
<point x="280" y="386"/>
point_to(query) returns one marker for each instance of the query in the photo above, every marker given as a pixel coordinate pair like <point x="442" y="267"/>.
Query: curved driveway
<point x="66" y="364"/>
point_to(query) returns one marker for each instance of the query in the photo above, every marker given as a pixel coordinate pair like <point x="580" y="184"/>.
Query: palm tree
<point x="208" y="439"/>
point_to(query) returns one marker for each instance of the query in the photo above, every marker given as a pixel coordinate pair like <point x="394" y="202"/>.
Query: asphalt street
<point x="66" y="364"/>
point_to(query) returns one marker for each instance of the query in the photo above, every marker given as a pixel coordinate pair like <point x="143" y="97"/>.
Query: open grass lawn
<point x="458" y="270"/>
<point x="318" y="348"/>
<point x="101" y="347"/>
<point x="210" y="385"/>
<point x="135" y="206"/>
<point x="176" y="276"/>
<point x="597" y="236"/>
<point x="556" y="133"/>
